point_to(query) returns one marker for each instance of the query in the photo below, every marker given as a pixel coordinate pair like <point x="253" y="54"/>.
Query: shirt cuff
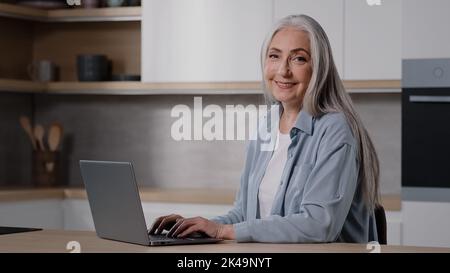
<point x="242" y="232"/>
<point x="216" y="220"/>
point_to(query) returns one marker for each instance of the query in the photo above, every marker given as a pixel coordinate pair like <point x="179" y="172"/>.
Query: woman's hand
<point x="164" y="223"/>
<point x="184" y="227"/>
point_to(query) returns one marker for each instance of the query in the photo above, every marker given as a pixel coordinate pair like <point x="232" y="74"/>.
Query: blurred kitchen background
<point x="107" y="74"/>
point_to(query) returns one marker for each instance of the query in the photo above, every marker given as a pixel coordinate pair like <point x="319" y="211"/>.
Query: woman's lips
<point x="285" y="85"/>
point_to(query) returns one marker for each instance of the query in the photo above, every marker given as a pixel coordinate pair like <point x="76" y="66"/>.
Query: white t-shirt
<point x="272" y="177"/>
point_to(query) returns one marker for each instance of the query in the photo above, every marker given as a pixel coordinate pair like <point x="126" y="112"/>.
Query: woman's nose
<point x="284" y="68"/>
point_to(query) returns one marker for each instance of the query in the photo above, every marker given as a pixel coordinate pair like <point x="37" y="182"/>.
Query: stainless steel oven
<point x="426" y="130"/>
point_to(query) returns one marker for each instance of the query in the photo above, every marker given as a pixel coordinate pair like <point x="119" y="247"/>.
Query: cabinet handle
<point x="444" y="99"/>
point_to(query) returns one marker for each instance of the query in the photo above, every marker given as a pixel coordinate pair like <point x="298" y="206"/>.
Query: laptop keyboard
<point x="163" y="237"/>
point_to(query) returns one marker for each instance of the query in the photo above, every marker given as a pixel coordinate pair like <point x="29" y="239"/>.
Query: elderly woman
<point x="320" y="184"/>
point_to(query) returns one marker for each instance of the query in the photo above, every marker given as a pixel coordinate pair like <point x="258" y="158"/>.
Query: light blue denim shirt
<point x="319" y="198"/>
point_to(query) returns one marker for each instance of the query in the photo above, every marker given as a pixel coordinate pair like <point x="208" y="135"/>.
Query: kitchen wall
<point x="381" y="114"/>
<point x="15" y="148"/>
<point x="137" y="129"/>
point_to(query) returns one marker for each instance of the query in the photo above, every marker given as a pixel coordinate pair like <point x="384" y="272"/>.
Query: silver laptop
<point x="116" y="206"/>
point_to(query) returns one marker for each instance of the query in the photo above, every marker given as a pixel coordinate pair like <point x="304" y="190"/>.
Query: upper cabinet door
<point x="203" y="40"/>
<point x="329" y="14"/>
<point x="425" y="29"/>
<point x="373" y="39"/>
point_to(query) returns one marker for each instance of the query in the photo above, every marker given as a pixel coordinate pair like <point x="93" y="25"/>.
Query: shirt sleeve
<point x="328" y="195"/>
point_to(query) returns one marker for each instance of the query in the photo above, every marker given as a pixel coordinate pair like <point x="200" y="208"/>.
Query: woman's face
<point x="288" y="66"/>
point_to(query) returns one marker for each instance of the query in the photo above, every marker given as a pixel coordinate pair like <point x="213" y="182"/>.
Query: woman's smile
<point x="285" y="85"/>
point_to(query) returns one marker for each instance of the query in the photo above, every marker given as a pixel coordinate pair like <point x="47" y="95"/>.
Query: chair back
<point x="380" y="218"/>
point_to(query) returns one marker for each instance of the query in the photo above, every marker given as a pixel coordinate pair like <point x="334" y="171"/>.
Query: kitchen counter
<point x="195" y="196"/>
<point x="198" y="196"/>
<point x="57" y="240"/>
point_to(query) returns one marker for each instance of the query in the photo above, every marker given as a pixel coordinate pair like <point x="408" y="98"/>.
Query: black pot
<point x="92" y="67"/>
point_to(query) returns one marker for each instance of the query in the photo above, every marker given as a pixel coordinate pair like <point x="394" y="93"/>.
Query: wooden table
<point x="57" y="241"/>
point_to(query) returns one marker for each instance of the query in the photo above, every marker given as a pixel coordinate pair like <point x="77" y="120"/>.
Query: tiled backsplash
<point x="381" y="114"/>
<point x="137" y="129"/>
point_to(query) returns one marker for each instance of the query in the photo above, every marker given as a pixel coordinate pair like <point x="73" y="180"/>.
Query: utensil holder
<point x="46" y="165"/>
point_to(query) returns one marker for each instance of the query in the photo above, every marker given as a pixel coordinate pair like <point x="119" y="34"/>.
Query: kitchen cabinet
<point x="425" y="29"/>
<point x="59" y="35"/>
<point x="119" y="41"/>
<point x="394" y="227"/>
<point x="45" y="213"/>
<point x="330" y="18"/>
<point x="239" y="29"/>
<point x="77" y="214"/>
<point x="372" y="40"/>
<point x="426" y="223"/>
<point x="203" y="40"/>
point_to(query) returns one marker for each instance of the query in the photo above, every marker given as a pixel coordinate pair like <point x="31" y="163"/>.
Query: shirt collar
<point x="303" y="123"/>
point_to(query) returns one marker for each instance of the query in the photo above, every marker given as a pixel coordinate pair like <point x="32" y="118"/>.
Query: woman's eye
<point x="273" y="56"/>
<point x="299" y="59"/>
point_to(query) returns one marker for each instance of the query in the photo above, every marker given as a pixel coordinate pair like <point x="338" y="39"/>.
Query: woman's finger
<point x="167" y="221"/>
<point x="183" y="226"/>
<point x="156" y="224"/>
<point x="191" y="229"/>
<point x="175" y="226"/>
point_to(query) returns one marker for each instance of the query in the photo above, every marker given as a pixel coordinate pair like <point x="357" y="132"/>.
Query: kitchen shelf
<point x="21" y="86"/>
<point x="373" y="84"/>
<point x="71" y="14"/>
<point x="21" y="12"/>
<point x="140" y="88"/>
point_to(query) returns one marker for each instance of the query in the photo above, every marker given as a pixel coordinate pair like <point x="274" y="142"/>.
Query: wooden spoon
<point x="26" y="125"/>
<point x="54" y="136"/>
<point x="39" y="135"/>
<point x="54" y="139"/>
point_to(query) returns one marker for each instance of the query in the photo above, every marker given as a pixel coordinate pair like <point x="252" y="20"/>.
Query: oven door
<point x="426" y="137"/>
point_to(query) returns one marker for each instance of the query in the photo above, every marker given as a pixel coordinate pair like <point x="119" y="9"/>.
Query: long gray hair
<point x="326" y="94"/>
